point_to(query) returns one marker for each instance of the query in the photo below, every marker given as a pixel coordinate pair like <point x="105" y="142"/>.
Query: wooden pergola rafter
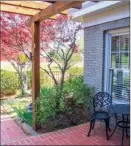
<point x="28" y="8"/>
<point x="39" y="11"/>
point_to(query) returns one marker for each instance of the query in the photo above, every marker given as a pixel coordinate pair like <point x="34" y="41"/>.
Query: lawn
<point x="16" y="107"/>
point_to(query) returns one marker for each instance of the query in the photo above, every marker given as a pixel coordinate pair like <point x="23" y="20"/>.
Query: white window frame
<point x="107" y="69"/>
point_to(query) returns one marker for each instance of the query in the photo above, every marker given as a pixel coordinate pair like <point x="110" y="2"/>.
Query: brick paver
<point x="10" y="130"/>
<point x="72" y="136"/>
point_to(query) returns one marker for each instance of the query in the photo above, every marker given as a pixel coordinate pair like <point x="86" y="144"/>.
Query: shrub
<point x="45" y="105"/>
<point x="78" y="90"/>
<point x="9" y="82"/>
<point x="45" y="80"/>
<point x="75" y="71"/>
<point x="76" y="57"/>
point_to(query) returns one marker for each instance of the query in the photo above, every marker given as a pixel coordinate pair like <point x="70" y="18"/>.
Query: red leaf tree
<point x="16" y="43"/>
<point x="58" y="43"/>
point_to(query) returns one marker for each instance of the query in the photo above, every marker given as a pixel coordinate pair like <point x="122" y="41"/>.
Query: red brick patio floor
<point x="70" y="136"/>
<point x="10" y="130"/>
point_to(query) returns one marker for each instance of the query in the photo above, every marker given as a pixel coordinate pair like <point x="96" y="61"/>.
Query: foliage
<point x="75" y="72"/>
<point x="16" y="49"/>
<point x="46" y="81"/>
<point x="12" y="103"/>
<point x="59" y="45"/>
<point x="22" y="58"/>
<point x="78" y="90"/>
<point x="76" y="57"/>
<point x="45" y="105"/>
<point x="14" y="25"/>
<point x="74" y="93"/>
<point x="9" y="82"/>
<point x="24" y="115"/>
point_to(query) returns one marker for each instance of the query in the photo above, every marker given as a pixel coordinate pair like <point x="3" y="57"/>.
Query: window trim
<point x="107" y="60"/>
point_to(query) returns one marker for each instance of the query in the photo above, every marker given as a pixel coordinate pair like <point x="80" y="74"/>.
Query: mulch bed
<point x="65" y="119"/>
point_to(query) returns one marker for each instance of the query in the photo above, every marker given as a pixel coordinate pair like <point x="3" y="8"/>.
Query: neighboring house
<point x="106" y="45"/>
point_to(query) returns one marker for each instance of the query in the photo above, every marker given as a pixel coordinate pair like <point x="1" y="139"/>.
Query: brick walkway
<point x="10" y="130"/>
<point x="70" y="136"/>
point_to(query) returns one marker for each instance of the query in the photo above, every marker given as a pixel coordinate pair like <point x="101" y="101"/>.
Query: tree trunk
<point x="59" y="90"/>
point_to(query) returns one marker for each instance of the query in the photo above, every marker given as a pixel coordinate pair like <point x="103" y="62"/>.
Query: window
<point x="117" y="68"/>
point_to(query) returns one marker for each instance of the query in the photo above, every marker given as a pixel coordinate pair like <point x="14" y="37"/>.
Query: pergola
<point x="39" y="11"/>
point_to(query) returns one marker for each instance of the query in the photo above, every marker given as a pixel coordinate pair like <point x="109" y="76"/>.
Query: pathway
<point x="70" y="136"/>
<point x="9" y="129"/>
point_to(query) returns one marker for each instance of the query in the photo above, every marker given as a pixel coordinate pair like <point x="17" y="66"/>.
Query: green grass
<point x="16" y="106"/>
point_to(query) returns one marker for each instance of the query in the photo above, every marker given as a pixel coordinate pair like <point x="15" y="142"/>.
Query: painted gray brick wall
<point x="94" y="51"/>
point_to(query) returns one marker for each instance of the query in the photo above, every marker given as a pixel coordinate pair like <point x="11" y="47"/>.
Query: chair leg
<point x="107" y="128"/>
<point x="91" y="125"/>
<point x="122" y="139"/>
<point x="108" y="125"/>
<point x="126" y="126"/>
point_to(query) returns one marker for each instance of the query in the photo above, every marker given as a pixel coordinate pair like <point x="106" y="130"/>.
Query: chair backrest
<point x="102" y="101"/>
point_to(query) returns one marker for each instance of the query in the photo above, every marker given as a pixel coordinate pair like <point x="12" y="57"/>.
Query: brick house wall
<point x="94" y="38"/>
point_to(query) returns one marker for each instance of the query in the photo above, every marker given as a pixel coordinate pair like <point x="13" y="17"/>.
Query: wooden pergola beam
<point x="55" y="8"/>
<point x="18" y="10"/>
<point x="23" y="10"/>
<point x="35" y="67"/>
<point x="25" y="7"/>
<point x="27" y="4"/>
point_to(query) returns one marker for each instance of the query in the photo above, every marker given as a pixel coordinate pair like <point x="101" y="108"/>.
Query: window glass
<point x="124" y="43"/>
<point x="124" y="62"/>
<point x="120" y="64"/>
<point x="115" y="43"/>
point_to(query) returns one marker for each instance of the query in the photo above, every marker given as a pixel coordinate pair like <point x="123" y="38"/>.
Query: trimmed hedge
<point x="45" y="80"/>
<point x="9" y="82"/>
<point x="75" y="71"/>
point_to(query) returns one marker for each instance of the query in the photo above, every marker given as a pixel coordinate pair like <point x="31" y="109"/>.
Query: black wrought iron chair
<point x="102" y="104"/>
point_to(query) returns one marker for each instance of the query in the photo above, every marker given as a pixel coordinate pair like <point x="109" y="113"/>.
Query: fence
<point x="45" y="80"/>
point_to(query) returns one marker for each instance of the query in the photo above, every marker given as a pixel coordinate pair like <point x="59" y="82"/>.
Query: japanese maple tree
<point x="58" y="43"/>
<point x="16" y="43"/>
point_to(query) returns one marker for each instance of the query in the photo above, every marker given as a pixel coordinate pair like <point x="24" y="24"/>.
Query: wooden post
<point x="35" y="66"/>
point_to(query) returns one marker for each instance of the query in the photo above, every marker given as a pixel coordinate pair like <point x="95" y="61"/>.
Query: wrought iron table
<point x="121" y="107"/>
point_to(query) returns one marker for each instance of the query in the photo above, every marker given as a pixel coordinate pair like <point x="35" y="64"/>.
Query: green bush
<point x="45" y="80"/>
<point x="75" y="71"/>
<point x="76" y="58"/>
<point x="78" y="90"/>
<point x="9" y="82"/>
<point x="45" y="105"/>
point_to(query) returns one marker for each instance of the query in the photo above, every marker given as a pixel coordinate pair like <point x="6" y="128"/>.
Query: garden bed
<point x="58" y="109"/>
<point x="64" y="120"/>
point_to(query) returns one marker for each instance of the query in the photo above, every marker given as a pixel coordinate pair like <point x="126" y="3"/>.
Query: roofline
<point x="99" y="7"/>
